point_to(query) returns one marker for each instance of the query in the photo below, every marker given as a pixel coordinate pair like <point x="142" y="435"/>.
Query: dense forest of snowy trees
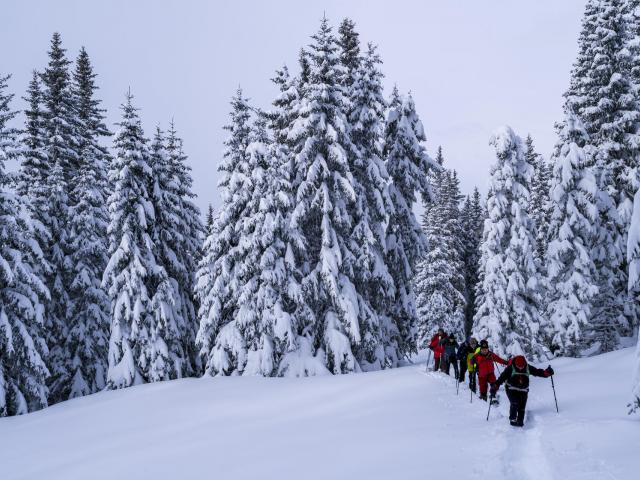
<point x="315" y="262"/>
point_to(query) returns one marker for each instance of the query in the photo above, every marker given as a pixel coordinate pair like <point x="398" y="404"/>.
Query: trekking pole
<point x="457" y="385"/>
<point x="428" y="361"/>
<point x="554" y="393"/>
<point x="489" y="412"/>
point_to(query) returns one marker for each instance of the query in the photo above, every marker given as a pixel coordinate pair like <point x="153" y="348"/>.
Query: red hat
<point x="520" y="362"/>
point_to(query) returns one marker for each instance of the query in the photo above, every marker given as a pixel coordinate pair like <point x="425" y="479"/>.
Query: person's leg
<point x="521" y="408"/>
<point x="473" y="381"/>
<point x="436" y="366"/>
<point x="513" y="406"/>
<point x="455" y="368"/>
<point x="463" y="370"/>
<point x="482" y="380"/>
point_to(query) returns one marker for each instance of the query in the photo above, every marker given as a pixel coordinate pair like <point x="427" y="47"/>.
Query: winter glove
<point x="549" y="371"/>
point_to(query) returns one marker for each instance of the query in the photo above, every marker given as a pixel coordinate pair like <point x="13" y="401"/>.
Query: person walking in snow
<point x="436" y="348"/>
<point x="467" y="347"/>
<point x="483" y="364"/>
<point x="450" y="347"/>
<point x="516" y="380"/>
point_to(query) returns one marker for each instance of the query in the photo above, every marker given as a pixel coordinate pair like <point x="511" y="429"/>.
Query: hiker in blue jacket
<point x="450" y="349"/>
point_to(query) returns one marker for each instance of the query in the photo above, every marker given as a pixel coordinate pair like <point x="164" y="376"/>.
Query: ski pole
<point x="428" y="361"/>
<point x="554" y="393"/>
<point x="490" y="402"/>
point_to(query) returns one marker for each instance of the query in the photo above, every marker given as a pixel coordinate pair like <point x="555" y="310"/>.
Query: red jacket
<point x="484" y="363"/>
<point x="434" y="345"/>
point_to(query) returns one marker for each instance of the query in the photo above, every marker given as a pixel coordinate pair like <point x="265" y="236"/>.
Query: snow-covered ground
<point x="397" y="424"/>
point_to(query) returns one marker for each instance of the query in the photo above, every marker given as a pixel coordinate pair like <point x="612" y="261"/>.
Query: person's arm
<point x="506" y="373"/>
<point x="538" y="372"/>
<point x="498" y="359"/>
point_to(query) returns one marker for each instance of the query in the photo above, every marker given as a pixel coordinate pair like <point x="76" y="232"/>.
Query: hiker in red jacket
<point x="516" y="382"/>
<point x="436" y="348"/>
<point x="483" y="363"/>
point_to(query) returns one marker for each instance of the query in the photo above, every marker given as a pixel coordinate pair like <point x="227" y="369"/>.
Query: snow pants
<point x="484" y="382"/>
<point x="518" y="402"/>
<point x="472" y="381"/>
<point x="448" y="361"/>
<point x="463" y="370"/>
<point x="437" y="363"/>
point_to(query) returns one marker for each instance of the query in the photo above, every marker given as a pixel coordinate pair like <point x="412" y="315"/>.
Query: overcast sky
<point x="471" y="65"/>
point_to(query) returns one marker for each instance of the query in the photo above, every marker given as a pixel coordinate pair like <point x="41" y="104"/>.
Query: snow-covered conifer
<point x="372" y="208"/>
<point x="325" y="197"/>
<point x="220" y="343"/>
<point x="508" y="315"/>
<point x="22" y="291"/>
<point x="571" y="273"/>
<point x="83" y="355"/>
<point x="539" y="204"/>
<point x="131" y="263"/>
<point x="439" y="281"/>
<point x="408" y="165"/>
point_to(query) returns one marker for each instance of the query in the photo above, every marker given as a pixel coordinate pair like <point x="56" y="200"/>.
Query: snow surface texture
<point x="395" y="424"/>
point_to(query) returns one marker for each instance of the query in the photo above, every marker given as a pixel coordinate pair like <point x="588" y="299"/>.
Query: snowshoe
<point x="495" y="401"/>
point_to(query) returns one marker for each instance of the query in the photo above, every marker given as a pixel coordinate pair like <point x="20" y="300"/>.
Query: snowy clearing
<point x="395" y="424"/>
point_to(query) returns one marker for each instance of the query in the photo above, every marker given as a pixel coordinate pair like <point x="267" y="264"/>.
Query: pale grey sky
<point x="472" y="65"/>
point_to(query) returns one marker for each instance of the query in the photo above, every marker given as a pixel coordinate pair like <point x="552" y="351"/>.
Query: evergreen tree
<point x="169" y="359"/>
<point x="188" y="231"/>
<point x="571" y="273"/>
<point x="373" y="205"/>
<point x="209" y="221"/>
<point x="324" y="201"/>
<point x="62" y="144"/>
<point x="279" y="299"/>
<point x="508" y="315"/>
<point x="133" y="339"/>
<point x="409" y="166"/>
<point x="439" y="280"/>
<point x="218" y="339"/>
<point x="602" y="96"/>
<point x="22" y="291"/>
<point x="83" y="350"/>
<point x="472" y="224"/>
<point x="349" y="45"/>
<point x="539" y="205"/>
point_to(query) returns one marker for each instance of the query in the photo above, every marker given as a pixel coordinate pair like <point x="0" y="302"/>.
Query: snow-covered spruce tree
<point x="408" y="165"/>
<point x="439" y="281"/>
<point x="188" y="239"/>
<point x="131" y="261"/>
<point x="61" y="143"/>
<point x="22" y="291"/>
<point x="84" y="349"/>
<point x="350" y="57"/>
<point x="604" y="99"/>
<point x="633" y="258"/>
<point x="167" y="355"/>
<point x="209" y="221"/>
<point x="508" y="316"/>
<point x="539" y="205"/>
<point x="325" y="198"/>
<point x="221" y="346"/>
<point x="472" y="223"/>
<point x="380" y="344"/>
<point x="571" y="273"/>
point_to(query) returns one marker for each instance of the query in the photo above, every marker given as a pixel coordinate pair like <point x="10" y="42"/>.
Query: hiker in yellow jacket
<point x="471" y="368"/>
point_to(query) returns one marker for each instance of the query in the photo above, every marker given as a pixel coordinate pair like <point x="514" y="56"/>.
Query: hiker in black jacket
<point x="450" y="346"/>
<point x="516" y="379"/>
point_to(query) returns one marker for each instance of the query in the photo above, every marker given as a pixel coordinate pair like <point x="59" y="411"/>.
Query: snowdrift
<point x="396" y="424"/>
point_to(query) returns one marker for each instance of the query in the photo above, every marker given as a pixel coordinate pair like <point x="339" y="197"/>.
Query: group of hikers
<point x="478" y="360"/>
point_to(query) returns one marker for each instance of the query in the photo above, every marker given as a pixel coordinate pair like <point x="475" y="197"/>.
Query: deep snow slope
<point x="397" y="424"/>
